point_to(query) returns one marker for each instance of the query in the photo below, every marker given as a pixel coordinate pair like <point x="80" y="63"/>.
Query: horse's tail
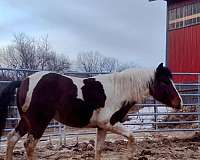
<point x="6" y="96"/>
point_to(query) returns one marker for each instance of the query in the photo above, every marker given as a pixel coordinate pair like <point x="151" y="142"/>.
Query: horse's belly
<point x="75" y="119"/>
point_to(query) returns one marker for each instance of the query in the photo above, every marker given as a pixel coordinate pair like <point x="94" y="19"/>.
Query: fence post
<point x="155" y="115"/>
<point x="64" y="136"/>
<point x="60" y="134"/>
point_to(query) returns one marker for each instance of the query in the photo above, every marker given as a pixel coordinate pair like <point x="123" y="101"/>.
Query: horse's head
<point x="163" y="89"/>
<point x="93" y="93"/>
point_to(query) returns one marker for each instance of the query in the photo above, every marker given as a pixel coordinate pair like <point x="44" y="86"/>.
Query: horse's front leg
<point x="100" y="138"/>
<point x="120" y="129"/>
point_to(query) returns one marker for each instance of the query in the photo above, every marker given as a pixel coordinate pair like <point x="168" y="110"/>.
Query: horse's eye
<point x="165" y="82"/>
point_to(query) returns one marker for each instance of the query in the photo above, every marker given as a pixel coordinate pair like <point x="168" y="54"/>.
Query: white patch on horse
<point x="129" y="85"/>
<point x="177" y="93"/>
<point x="79" y="83"/>
<point x="33" y="80"/>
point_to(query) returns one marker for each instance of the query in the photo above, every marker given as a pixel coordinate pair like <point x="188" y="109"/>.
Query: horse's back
<point x="45" y="88"/>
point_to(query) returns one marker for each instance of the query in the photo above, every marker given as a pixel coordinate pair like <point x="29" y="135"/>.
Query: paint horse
<point x="100" y="102"/>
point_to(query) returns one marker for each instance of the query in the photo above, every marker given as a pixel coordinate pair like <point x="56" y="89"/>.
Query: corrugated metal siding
<point x="184" y="51"/>
<point x="177" y="3"/>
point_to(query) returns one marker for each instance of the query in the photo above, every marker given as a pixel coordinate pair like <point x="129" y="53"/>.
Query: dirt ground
<point x="154" y="147"/>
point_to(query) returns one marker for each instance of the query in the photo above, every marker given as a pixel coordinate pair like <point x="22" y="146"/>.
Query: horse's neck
<point x="129" y="85"/>
<point x="135" y="84"/>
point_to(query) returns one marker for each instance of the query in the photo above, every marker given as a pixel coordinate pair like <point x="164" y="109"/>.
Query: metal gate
<point x="153" y="117"/>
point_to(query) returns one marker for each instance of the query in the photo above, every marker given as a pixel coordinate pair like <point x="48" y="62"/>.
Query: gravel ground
<point x="156" y="147"/>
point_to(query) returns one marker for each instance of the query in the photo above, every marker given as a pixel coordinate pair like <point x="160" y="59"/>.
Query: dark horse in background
<point x="100" y="102"/>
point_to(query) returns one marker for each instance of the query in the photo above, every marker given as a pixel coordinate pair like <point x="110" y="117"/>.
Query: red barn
<point x="183" y="37"/>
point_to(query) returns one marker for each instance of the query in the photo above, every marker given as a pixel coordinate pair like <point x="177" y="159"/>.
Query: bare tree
<point x="95" y="62"/>
<point x="44" y="53"/>
<point x="109" y="64"/>
<point x="88" y="61"/>
<point x="21" y="53"/>
<point x="28" y="53"/>
<point x="49" y="60"/>
<point x="123" y="66"/>
<point x="58" y="63"/>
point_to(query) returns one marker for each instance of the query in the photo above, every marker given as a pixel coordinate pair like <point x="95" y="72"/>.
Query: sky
<point x="129" y="30"/>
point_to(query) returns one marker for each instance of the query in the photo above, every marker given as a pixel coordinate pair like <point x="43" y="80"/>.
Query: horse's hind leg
<point x="30" y="145"/>
<point x="31" y="141"/>
<point x="38" y="122"/>
<point x="13" y="138"/>
<point x="120" y="129"/>
<point x="100" y="138"/>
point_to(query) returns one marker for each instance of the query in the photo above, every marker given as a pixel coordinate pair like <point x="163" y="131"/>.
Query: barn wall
<point x="184" y="51"/>
<point x="177" y="3"/>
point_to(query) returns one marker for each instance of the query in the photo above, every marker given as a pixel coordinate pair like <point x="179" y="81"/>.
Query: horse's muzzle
<point x="178" y="107"/>
<point x="177" y="104"/>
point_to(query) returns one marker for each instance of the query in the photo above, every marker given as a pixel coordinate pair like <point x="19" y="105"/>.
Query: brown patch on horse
<point x="55" y="96"/>
<point x="120" y="115"/>
<point x="93" y="93"/>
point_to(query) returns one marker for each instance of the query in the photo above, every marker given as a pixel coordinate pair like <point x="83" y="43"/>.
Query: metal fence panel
<point x="146" y="120"/>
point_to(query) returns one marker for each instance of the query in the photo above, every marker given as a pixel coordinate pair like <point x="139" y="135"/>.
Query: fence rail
<point x="148" y="119"/>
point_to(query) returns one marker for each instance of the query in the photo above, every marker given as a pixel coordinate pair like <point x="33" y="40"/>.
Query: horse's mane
<point x="130" y="82"/>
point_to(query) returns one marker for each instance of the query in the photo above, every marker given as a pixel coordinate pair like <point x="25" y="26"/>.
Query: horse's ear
<point x="162" y="71"/>
<point x="159" y="70"/>
<point x="88" y="80"/>
<point x="160" y="66"/>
